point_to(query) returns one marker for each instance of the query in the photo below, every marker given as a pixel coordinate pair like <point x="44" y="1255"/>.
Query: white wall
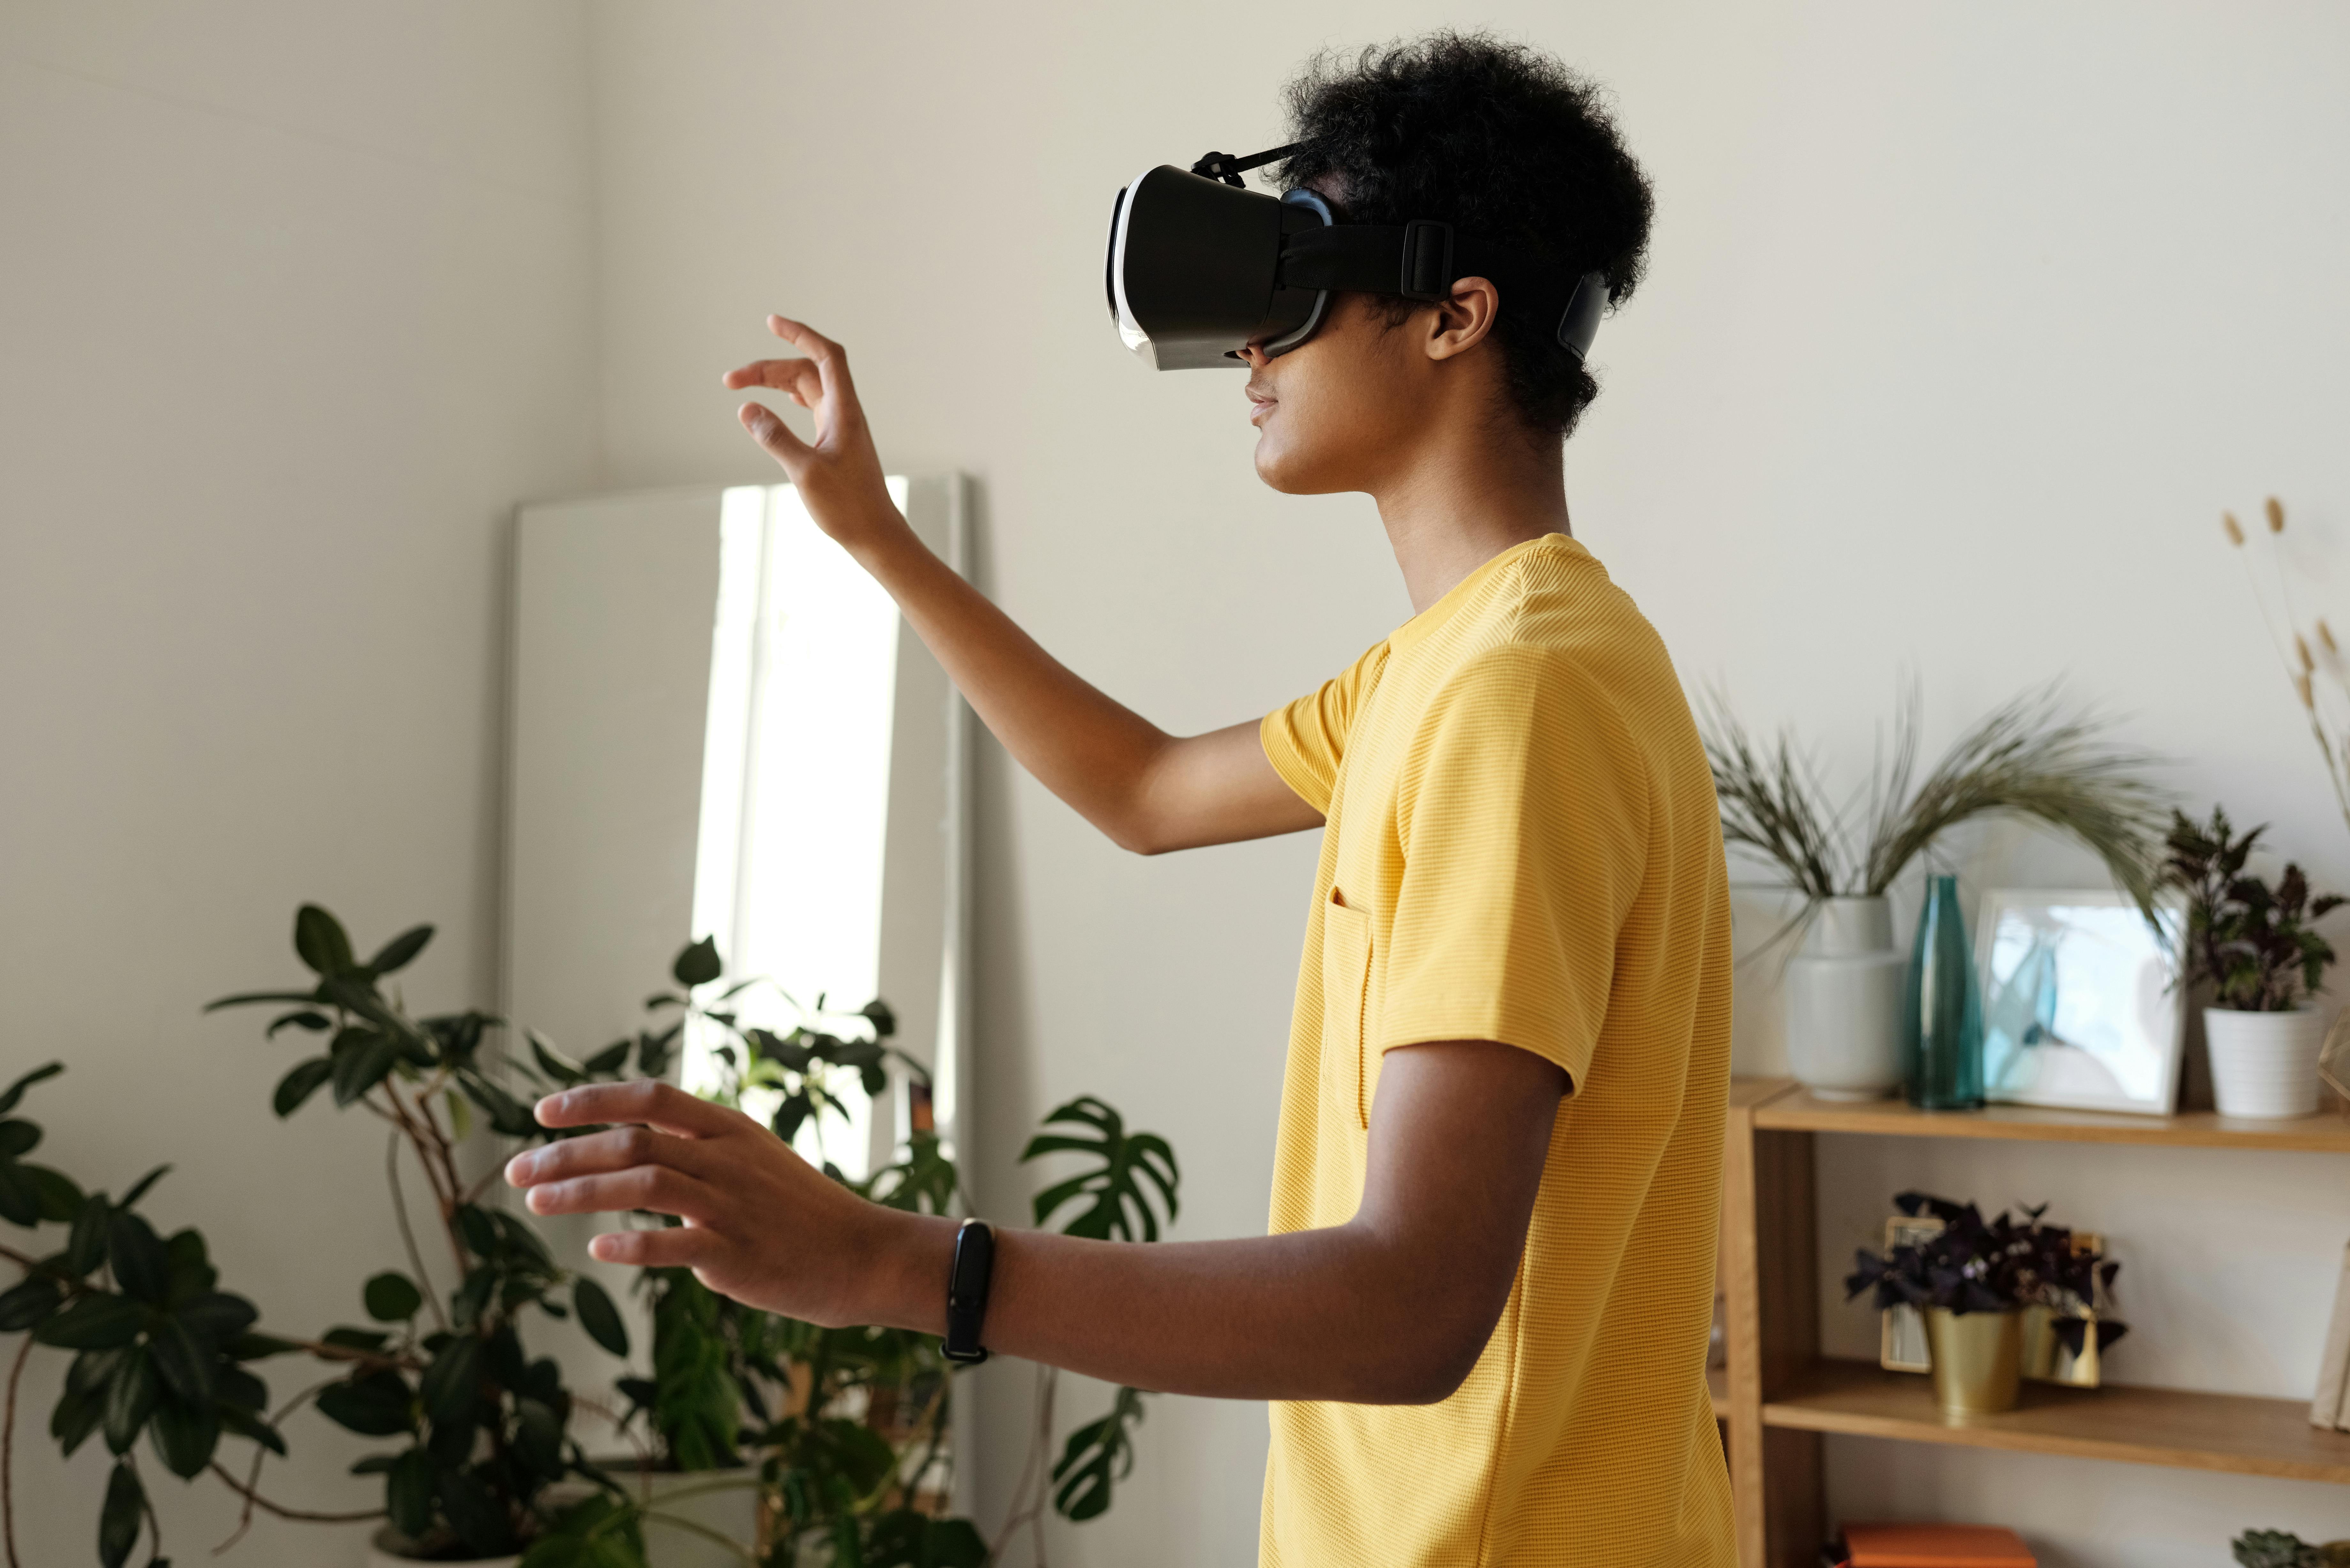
<point x="297" y="305"/>
<point x="1964" y="323"/>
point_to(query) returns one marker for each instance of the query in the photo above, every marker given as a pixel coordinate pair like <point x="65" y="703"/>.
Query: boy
<point x="1482" y="1311"/>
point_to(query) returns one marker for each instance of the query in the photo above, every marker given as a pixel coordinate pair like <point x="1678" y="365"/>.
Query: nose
<point x="1254" y="357"/>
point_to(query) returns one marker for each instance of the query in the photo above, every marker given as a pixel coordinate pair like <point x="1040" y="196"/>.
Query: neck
<point x="1458" y="504"/>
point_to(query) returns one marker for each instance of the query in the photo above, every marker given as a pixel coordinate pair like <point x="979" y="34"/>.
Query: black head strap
<point x="1225" y="167"/>
<point x="1420" y="260"/>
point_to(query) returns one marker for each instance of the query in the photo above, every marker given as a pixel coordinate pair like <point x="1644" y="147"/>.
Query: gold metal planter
<point x="1978" y="1360"/>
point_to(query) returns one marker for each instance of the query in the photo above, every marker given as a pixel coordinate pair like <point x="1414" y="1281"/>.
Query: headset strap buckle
<point x="1427" y="260"/>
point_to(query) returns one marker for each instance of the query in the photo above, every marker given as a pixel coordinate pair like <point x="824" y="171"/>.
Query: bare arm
<point x="1392" y="1307"/>
<point x="1148" y="790"/>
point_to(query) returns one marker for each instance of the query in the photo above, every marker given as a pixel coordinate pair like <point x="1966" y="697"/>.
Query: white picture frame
<point x="2081" y="1006"/>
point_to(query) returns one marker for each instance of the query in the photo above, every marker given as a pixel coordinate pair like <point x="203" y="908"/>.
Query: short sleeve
<point x="1306" y="740"/>
<point x="1523" y="817"/>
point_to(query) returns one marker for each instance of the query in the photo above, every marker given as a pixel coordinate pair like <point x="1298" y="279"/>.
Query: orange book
<point x="1935" y="1546"/>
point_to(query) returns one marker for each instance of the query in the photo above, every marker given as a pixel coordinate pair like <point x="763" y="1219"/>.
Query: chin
<point x="1293" y="472"/>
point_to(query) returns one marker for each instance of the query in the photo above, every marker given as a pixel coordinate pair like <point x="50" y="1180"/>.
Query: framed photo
<point x="2079" y="1007"/>
<point x="1901" y="1328"/>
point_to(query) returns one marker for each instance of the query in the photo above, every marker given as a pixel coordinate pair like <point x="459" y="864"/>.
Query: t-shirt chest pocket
<point x="1346" y="997"/>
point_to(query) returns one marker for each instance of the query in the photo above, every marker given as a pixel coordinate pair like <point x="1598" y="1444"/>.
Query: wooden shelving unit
<point x="1778" y="1396"/>
<point x="1793" y="1109"/>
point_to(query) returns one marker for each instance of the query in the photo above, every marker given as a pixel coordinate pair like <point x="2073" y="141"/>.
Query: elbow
<point x="1428" y="1365"/>
<point x="1435" y="1377"/>
<point x="1136" y="834"/>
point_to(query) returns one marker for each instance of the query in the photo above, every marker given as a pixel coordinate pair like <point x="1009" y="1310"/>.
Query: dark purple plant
<point x="2251" y="941"/>
<point x="1973" y="1264"/>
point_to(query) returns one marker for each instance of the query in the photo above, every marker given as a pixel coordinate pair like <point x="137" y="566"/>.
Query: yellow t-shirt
<point x="1521" y="847"/>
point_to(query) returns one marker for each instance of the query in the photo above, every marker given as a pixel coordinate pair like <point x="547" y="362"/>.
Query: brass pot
<point x="1978" y="1360"/>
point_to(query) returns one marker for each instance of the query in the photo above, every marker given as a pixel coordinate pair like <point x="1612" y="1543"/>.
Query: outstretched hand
<point x="838" y="473"/>
<point x="760" y="1224"/>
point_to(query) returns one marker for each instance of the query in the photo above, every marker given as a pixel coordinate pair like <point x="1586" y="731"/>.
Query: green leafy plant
<point x="1120" y="1207"/>
<point x="2252" y="943"/>
<point x="482" y="1428"/>
<point x="1084" y="1473"/>
<point x="1128" y="1171"/>
<point x="845" y="1428"/>
<point x="158" y="1349"/>
<point x="2034" y="758"/>
<point x="2283" y="1549"/>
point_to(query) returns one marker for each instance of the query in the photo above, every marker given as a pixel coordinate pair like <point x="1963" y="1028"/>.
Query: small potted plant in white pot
<point x="1970" y="1281"/>
<point x="2254" y="945"/>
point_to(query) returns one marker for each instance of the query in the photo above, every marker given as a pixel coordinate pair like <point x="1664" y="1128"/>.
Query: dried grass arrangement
<point x="2319" y="677"/>
<point x="2035" y="757"/>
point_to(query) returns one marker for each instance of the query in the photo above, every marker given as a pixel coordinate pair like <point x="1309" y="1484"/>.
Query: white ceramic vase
<point x="381" y="1556"/>
<point x="724" y="1501"/>
<point x="1843" y="1002"/>
<point x="2264" y="1064"/>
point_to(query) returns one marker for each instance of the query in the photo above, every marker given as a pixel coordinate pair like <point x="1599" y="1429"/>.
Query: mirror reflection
<point x="722" y="729"/>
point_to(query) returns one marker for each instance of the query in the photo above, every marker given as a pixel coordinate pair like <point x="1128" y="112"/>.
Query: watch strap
<point x="967" y="1282"/>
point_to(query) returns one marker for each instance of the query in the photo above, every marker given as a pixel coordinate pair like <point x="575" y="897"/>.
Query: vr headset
<point x="1199" y="267"/>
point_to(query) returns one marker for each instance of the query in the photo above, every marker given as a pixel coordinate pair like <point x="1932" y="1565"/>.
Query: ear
<point x="1464" y="319"/>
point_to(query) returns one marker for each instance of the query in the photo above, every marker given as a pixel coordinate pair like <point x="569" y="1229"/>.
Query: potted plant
<point x="2313" y="660"/>
<point x="1972" y="1281"/>
<point x="2283" y="1549"/>
<point x="2033" y="758"/>
<point x="2253" y="945"/>
<point x="842" y="1431"/>
<point x="484" y="1468"/>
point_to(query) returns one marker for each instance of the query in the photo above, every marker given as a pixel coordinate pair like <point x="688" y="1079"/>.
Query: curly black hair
<point x="1501" y="141"/>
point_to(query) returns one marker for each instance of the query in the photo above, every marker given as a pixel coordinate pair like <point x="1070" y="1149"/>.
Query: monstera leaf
<point x="1096" y="1455"/>
<point x="1120" y="1206"/>
<point x="924" y="1182"/>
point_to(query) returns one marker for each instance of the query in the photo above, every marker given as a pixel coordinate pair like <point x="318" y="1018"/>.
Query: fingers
<point x="645" y="1100"/>
<point x="618" y="1149"/>
<point x="771" y="433"/>
<point x="831" y="360"/>
<point x="655" y="1188"/>
<point x="799" y="379"/>
<point x="820" y="381"/>
<point x="680" y="1247"/>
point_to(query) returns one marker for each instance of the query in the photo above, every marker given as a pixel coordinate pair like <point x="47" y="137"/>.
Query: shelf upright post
<point x="1771" y="1286"/>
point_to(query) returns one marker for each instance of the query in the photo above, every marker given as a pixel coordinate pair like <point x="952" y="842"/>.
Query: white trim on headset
<point x="1130" y="331"/>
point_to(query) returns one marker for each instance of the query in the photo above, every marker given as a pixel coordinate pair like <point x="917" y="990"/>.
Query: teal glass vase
<point x="1941" y="1016"/>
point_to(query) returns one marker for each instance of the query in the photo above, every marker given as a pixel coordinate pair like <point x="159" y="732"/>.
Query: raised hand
<point x="838" y="473"/>
<point x="761" y="1225"/>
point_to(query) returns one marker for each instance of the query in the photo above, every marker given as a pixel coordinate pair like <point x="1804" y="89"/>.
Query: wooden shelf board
<point x="1798" y="1110"/>
<point x="2140" y="1426"/>
<point x="1748" y="1092"/>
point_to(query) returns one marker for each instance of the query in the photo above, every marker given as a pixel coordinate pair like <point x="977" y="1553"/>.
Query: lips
<point x="1258" y="407"/>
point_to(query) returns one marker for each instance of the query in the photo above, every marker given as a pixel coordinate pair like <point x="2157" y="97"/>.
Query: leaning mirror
<point x="721" y="727"/>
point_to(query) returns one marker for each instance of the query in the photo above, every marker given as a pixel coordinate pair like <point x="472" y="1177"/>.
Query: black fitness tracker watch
<point x="974" y="1262"/>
